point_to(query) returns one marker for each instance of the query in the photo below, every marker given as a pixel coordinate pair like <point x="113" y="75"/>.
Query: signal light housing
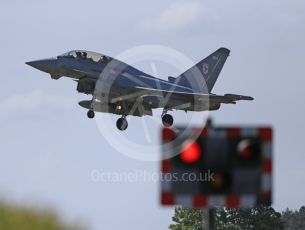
<point x="238" y="161"/>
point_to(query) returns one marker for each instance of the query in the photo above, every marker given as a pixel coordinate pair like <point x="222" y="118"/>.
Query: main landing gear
<point x="122" y="123"/>
<point x="90" y="114"/>
<point x="167" y="119"/>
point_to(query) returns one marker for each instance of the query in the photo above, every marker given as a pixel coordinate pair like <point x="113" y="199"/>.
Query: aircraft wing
<point x="185" y="97"/>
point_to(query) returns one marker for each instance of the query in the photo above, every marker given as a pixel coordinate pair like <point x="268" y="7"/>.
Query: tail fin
<point x="209" y="69"/>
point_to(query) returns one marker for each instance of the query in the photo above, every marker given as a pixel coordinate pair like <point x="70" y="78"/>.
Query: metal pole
<point x="211" y="221"/>
<point x="205" y="219"/>
<point x="208" y="219"/>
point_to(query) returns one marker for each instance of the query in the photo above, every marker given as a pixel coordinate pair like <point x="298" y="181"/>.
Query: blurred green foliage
<point x="13" y="217"/>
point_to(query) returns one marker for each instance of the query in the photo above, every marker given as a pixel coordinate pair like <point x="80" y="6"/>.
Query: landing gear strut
<point x="122" y="123"/>
<point x="167" y="119"/>
<point x="90" y="114"/>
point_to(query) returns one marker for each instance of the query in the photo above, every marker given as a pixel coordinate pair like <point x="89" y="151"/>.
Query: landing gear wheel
<point x="90" y="114"/>
<point x="122" y="123"/>
<point x="167" y="120"/>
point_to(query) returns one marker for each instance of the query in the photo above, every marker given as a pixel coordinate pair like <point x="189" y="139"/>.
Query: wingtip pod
<point x="246" y="98"/>
<point x="236" y="97"/>
<point x="249" y="98"/>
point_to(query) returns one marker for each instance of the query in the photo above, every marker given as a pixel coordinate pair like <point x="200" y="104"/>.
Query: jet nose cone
<point x="32" y="63"/>
<point x="46" y="65"/>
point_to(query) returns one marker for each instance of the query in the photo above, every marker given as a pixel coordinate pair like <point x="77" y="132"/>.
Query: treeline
<point x="259" y="218"/>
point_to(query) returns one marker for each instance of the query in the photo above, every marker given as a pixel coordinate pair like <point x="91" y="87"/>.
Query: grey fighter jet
<point x="121" y="89"/>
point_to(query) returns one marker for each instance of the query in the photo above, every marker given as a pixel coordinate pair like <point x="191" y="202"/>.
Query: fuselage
<point x="99" y="72"/>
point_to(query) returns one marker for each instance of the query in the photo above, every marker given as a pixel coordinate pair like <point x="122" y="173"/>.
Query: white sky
<point x="49" y="147"/>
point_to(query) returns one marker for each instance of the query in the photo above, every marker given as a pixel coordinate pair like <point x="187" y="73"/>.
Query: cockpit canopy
<point x="86" y="55"/>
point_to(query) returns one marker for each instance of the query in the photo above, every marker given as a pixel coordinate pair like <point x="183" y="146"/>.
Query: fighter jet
<point x="121" y="89"/>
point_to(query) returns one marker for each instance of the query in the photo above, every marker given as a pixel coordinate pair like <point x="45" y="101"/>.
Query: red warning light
<point x="191" y="152"/>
